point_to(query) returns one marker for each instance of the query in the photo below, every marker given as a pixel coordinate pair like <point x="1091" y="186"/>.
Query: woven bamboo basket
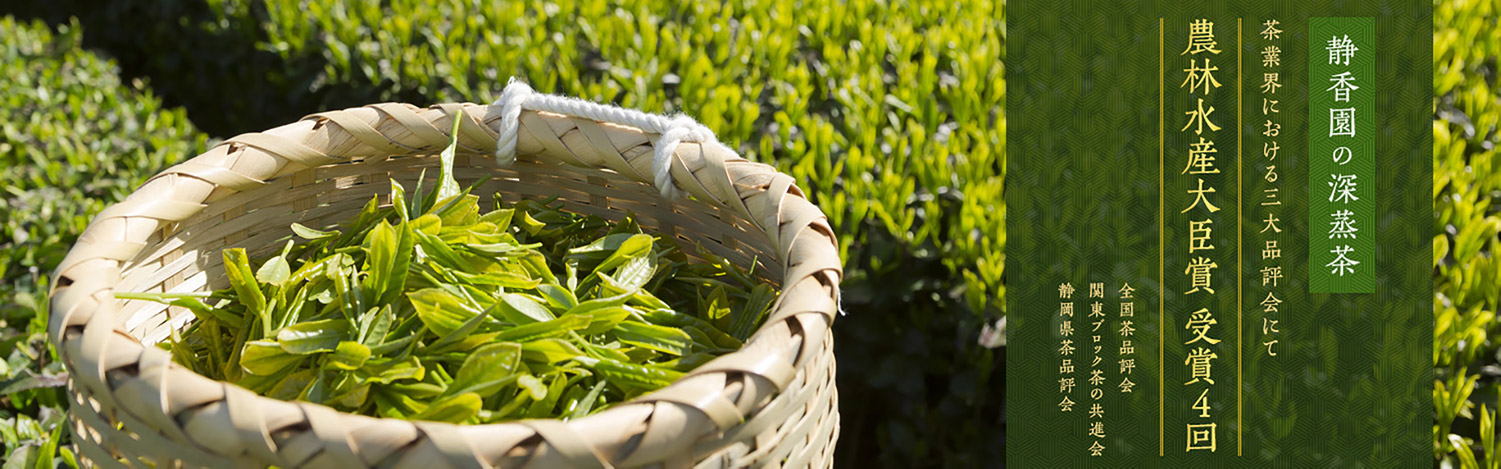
<point x="771" y="404"/>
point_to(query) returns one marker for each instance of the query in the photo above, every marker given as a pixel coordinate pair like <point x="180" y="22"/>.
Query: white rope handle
<point x="670" y="130"/>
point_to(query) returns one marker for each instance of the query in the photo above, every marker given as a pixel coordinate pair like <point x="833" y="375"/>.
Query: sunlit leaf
<point x="521" y="309"/>
<point x="313" y="337"/>
<point x="349" y="356"/>
<point x="487" y="370"/>
<point x="662" y="339"/>
<point x="266" y="358"/>
<point x="440" y="310"/>
<point x="452" y="409"/>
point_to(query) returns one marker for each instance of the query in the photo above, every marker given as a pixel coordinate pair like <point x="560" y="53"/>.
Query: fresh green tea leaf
<point x="349" y="356"/>
<point x="447" y="186"/>
<point x="520" y="309"/>
<point x="313" y="337"/>
<point x="586" y="404"/>
<point x="189" y="301"/>
<point x="558" y="298"/>
<point x="662" y="339"/>
<point x="440" y="310"/>
<point x="635" y="273"/>
<point x="386" y="370"/>
<point x="547" y="329"/>
<point x="399" y="200"/>
<point x="533" y="386"/>
<point x="487" y="370"/>
<point x="549" y="351"/>
<point x="275" y="271"/>
<point x="605" y="319"/>
<point x="388" y="255"/>
<point x="509" y="280"/>
<point x="237" y="267"/>
<point x="266" y="358"/>
<point x="637" y="376"/>
<point x="428" y="224"/>
<point x="292" y="385"/>
<point x="633" y="247"/>
<point x="452" y="409"/>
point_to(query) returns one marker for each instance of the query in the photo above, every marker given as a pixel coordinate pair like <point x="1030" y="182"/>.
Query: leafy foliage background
<point x="890" y="114"/>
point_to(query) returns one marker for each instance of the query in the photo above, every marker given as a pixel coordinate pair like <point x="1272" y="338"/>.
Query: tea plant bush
<point x="1466" y="181"/>
<point x="73" y="139"/>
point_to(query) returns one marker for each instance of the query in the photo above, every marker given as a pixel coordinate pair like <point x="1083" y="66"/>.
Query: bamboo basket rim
<point x="707" y="409"/>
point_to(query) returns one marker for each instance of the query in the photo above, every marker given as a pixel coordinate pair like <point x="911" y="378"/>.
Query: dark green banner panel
<point x="1219" y="234"/>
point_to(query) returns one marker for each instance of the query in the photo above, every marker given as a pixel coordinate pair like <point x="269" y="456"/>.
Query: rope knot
<point x="680" y="128"/>
<point x="693" y="131"/>
<point x="515" y="96"/>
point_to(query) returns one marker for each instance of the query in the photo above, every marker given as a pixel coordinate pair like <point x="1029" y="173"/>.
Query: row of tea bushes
<point x="1466" y="182"/>
<point x="74" y="138"/>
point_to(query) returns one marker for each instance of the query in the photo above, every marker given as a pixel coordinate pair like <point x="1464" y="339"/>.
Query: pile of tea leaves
<point x="429" y="309"/>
